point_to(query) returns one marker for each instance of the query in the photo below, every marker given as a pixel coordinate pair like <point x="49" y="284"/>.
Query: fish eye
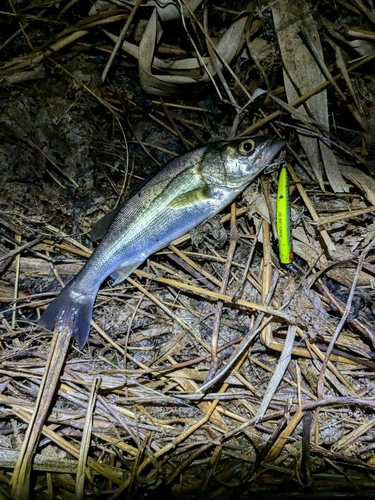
<point x="246" y="147"/>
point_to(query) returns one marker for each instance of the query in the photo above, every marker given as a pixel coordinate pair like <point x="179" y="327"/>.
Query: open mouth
<point x="271" y="149"/>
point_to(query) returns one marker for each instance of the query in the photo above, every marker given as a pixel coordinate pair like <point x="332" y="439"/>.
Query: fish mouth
<point x="271" y="149"/>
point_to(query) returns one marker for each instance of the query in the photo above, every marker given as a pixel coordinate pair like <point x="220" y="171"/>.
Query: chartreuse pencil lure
<point x="283" y="218"/>
<point x="184" y="193"/>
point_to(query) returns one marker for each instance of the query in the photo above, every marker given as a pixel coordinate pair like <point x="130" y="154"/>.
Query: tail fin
<point x="71" y="310"/>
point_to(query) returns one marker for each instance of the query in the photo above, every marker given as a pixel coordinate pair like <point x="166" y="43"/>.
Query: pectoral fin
<point x="123" y="272"/>
<point x="191" y="197"/>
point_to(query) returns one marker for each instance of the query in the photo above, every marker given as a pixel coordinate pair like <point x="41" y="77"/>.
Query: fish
<point x="185" y="192"/>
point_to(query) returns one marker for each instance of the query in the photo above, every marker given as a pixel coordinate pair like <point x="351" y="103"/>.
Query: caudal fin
<point x="71" y="310"/>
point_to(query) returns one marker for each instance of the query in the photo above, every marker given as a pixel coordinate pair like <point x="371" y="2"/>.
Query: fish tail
<point x="72" y="310"/>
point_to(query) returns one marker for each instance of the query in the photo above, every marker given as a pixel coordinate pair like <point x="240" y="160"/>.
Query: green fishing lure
<point x="283" y="219"/>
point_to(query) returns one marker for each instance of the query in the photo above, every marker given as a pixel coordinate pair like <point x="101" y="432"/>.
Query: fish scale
<point x="184" y="193"/>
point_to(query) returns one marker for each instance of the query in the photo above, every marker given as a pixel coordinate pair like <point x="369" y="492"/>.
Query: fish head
<point x="236" y="163"/>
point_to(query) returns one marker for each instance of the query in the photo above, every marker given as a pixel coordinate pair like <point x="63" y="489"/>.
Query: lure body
<point x="283" y="218"/>
<point x="184" y="193"/>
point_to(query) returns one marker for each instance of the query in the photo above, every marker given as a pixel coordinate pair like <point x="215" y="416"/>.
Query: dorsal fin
<point x="100" y="227"/>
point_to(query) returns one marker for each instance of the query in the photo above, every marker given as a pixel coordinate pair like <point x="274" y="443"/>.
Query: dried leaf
<point x="184" y="73"/>
<point x="229" y="46"/>
<point x="361" y="180"/>
<point x="169" y="10"/>
<point x="278" y="374"/>
<point x="162" y="84"/>
<point x="363" y="47"/>
<point x="189" y="67"/>
<point x="301" y="74"/>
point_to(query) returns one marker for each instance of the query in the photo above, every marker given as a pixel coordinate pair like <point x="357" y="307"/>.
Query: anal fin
<point x="122" y="272"/>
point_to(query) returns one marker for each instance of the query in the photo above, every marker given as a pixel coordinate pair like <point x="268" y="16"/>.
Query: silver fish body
<point x="184" y="193"/>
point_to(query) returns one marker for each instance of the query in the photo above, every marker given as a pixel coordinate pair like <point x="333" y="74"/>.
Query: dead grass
<point x="212" y="372"/>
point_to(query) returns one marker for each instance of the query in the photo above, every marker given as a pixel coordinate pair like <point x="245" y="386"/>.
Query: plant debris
<point x="212" y="371"/>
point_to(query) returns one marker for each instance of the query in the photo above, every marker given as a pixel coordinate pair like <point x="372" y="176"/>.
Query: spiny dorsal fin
<point x="100" y="227"/>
